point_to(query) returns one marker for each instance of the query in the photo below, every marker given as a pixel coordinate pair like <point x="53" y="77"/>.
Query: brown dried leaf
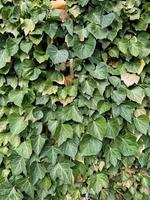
<point x="63" y="15"/>
<point x="58" y="4"/>
<point x="69" y="79"/>
<point x="129" y="79"/>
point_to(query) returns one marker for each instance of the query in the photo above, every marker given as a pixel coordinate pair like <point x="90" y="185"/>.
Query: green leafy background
<point x="74" y="100"/>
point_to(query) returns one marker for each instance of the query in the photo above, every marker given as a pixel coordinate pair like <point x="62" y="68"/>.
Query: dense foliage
<point x="74" y="100"/>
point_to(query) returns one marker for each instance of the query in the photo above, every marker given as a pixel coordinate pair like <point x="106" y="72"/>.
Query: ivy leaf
<point x="107" y="20"/>
<point x="70" y="147"/>
<point x="128" y="145"/>
<point x="64" y="133"/>
<point x="63" y="172"/>
<point x="52" y="126"/>
<point x="25" y="149"/>
<point x="83" y="2"/>
<point x="113" y="128"/>
<point x="18" y="165"/>
<point x="126" y="112"/>
<point x="103" y="107"/>
<point x="25" y="46"/>
<point x="38" y="143"/>
<point x="4" y="58"/>
<point x="134" y="46"/>
<point x="8" y="192"/>
<point x="71" y="112"/>
<point x="90" y="146"/>
<point x="57" y="56"/>
<point x="40" y="56"/>
<point x="12" y="46"/>
<point x="27" y="25"/>
<point x="97" y="128"/>
<point x="123" y="46"/>
<point x="45" y="183"/>
<point x="16" y="96"/>
<point x="142" y="123"/>
<point x="27" y="70"/>
<point x="17" y="123"/>
<point x="51" y="29"/>
<point x="85" y="49"/>
<point x="136" y="94"/>
<point x="88" y="87"/>
<point x="97" y="182"/>
<point x="113" y="155"/>
<point x="119" y="96"/>
<point x="52" y="154"/>
<point x="100" y="72"/>
<point x="37" y="172"/>
<point x="26" y="186"/>
<point x="97" y="31"/>
<point x="129" y="79"/>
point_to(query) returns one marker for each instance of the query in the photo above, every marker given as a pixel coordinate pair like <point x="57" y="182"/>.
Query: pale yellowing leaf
<point x="130" y="79"/>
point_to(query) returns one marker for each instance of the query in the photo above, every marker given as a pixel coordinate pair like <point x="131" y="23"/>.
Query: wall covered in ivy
<point x="74" y="100"/>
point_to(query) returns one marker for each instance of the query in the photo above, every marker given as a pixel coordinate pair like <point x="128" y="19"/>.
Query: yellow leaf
<point x="141" y="67"/>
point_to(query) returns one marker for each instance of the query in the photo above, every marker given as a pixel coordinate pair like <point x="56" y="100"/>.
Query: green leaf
<point x="86" y="49"/>
<point x="97" y="182"/>
<point x="63" y="172"/>
<point x="51" y="29"/>
<point x="27" y="70"/>
<point x="25" y="186"/>
<point x="90" y="146"/>
<point x="113" y="128"/>
<point x="97" y="128"/>
<point x="4" y="58"/>
<point x="107" y="20"/>
<point x="18" y="165"/>
<point x="88" y="87"/>
<point x="25" y="46"/>
<point x="38" y="143"/>
<point x="16" y="96"/>
<point x="128" y="145"/>
<point x="83" y="2"/>
<point x="12" y="46"/>
<point x="71" y="112"/>
<point x="52" y="154"/>
<point x="134" y="47"/>
<point x="142" y="123"/>
<point x="57" y="56"/>
<point x="126" y="112"/>
<point x="97" y="31"/>
<point x="70" y="147"/>
<point x="27" y="25"/>
<point x="25" y="149"/>
<point x="8" y="192"/>
<point x="40" y="56"/>
<point x="136" y="94"/>
<point x="64" y="133"/>
<point x="103" y="107"/>
<point x="52" y="126"/>
<point x="37" y="172"/>
<point x="17" y="123"/>
<point x="119" y="96"/>
<point x="113" y="155"/>
<point x="123" y="46"/>
<point x="45" y="183"/>
<point x="100" y="72"/>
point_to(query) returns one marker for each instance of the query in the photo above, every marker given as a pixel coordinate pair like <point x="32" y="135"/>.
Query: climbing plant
<point x="74" y="100"/>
